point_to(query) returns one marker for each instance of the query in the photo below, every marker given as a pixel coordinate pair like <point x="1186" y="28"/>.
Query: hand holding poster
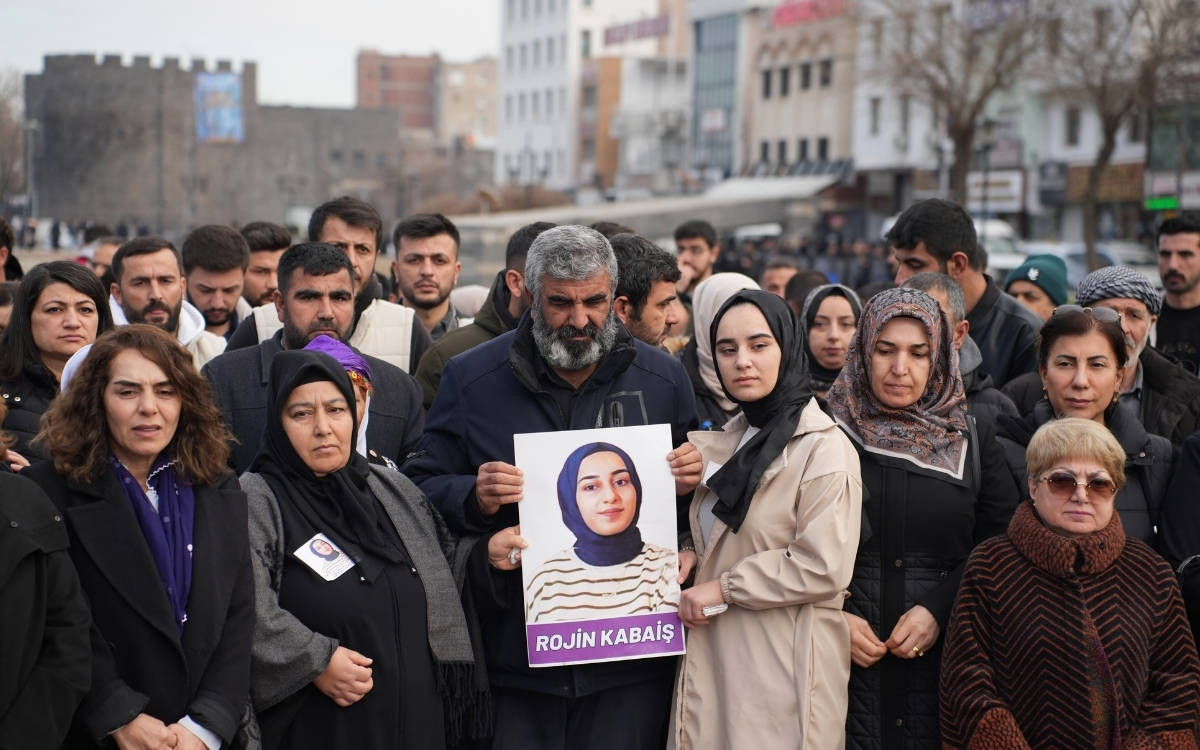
<point x="601" y="569"/>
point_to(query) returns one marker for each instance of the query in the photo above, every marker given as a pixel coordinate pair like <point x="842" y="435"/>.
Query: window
<point x="524" y="9"/>
<point x="876" y="103"/>
<point x="826" y="75"/>
<point x="766" y="84"/>
<point x="1073" y="123"/>
<point x="904" y="109"/>
<point x="782" y="152"/>
<point x="822" y="149"/>
<point x="549" y="102"/>
<point x="805" y="76"/>
<point x="562" y="100"/>
<point x="508" y="110"/>
<point x="360" y="159"/>
<point x="521" y="106"/>
<point x="508" y="58"/>
<point x="585" y="44"/>
<point x="550" y="50"/>
<point x="588" y="149"/>
<point x="524" y="57"/>
<point x="537" y="53"/>
<point x="764" y="151"/>
<point x="512" y="10"/>
<point x="1136" y="128"/>
<point x="784" y="74"/>
<point x="876" y="38"/>
<point x="534" y="108"/>
<point x="802" y="149"/>
<point x="589" y="97"/>
<point x="537" y="8"/>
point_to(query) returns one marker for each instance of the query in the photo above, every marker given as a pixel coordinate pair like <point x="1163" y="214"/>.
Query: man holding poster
<point x="569" y="365"/>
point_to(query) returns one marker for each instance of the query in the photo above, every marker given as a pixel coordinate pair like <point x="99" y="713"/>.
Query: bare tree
<point x="12" y="139"/>
<point x="952" y="60"/>
<point x="1108" y="55"/>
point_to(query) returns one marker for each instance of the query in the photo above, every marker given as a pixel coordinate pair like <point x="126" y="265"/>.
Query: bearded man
<point x="568" y="365"/>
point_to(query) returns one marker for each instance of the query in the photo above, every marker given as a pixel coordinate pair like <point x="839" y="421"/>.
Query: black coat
<point x="140" y="663"/>
<point x="27" y="398"/>
<point x="918" y="529"/>
<point x="1006" y="332"/>
<point x="1179" y="526"/>
<point x="1149" y="463"/>
<point x="239" y="380"/>
<point x="45" y="654"/>
<point x="1170" y="396"/>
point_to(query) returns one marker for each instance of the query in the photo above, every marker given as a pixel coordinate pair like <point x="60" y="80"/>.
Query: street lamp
<point x="988" y="126"/>
<point x="31" y="128"/>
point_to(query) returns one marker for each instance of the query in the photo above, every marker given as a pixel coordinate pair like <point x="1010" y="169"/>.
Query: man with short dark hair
<point x="1178" y="330"/>
<point x="799" y="286"/>
<point x="505" y="305"/>
<point x="214" y="263"/>
<point x="697" y="248"/>
<point x="779" y="271"/>
<point x="938" y="235"/>
<point x="267" y="242"/>
<point x="382" y="329"/>
<point x="315" y="297"/>
<point x="645" y="297"/>
<point x="150" y="288"/>
<point x="569" y="364"/>
<point x="426" y="269"/>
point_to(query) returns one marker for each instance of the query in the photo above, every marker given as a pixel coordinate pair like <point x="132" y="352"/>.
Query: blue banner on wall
<point x="218" y="100"/>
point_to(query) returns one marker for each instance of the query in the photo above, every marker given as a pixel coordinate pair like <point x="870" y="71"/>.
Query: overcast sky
<point x="305" y="50"/>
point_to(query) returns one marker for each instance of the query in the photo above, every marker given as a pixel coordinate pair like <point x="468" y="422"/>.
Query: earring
<point x="1115" y="397"/>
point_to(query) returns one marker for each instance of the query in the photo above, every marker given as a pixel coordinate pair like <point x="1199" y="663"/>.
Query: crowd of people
<point x="256" y="494"/>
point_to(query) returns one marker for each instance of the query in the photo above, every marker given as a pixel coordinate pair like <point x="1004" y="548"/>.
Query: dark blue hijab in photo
<point x="593" y="548"/>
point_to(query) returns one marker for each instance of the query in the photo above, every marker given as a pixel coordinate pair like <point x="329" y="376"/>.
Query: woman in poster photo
<point x="776" y="525"/>
<point x="609" y="571"/>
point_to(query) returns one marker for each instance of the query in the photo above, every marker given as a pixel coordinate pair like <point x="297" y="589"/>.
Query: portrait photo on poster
<point x="600" y="573"/>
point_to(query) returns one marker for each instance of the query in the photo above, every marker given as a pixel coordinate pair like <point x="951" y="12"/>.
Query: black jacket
<point x="45" y="653"/>
<point x="1179" y="527"/>
<point x="1170" y="396"/>
<point x="918" y="528"/>
<point x="140" y="663"/>
<point x="239" y="380"/>
<point x="1006" y="332"/>
<point x="493" y="319"/>
<point x="28" y="397"/>
<point x="984" y="400"/>
<point x="1149" y="463"/>
<point x="493" y="392"/>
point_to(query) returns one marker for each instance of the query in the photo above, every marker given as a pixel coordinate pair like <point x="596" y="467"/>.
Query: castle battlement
<point x="109" y="61"/>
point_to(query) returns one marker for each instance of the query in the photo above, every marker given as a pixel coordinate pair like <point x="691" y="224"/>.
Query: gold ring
<point x="917" y="650"/>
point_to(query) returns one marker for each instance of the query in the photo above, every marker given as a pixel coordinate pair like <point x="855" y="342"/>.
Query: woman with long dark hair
<point x="157" y="523"/>
<point x="59" y="308"/>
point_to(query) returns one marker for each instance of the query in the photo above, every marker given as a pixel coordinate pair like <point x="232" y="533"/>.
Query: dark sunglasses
<point x="1063" y="485"/>
<point x="1104" y="314"/>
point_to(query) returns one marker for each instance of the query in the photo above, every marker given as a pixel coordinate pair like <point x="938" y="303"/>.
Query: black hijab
<point x="822" y="376"/>
<point x="776" y="414"/>
<point x="339" y="504"/>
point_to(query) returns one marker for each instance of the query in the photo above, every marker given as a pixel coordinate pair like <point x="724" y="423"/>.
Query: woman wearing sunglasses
<point x="1067" y="633"/>
<point x="1081" y="358"/>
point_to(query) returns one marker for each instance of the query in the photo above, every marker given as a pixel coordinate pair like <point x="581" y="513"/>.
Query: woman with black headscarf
<point x="600" y="496"/>
<point x="830" y="316"/>
<point x="360" y="639"/>
<point x="776" y="523"/>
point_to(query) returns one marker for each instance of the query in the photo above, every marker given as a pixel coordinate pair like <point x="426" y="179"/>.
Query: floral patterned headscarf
<point x="931" y="433"/>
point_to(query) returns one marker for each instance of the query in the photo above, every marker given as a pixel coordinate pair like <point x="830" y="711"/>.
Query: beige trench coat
<point x="771" y="672"/>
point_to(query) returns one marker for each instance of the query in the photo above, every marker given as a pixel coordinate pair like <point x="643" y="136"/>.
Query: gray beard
<point x="574" y="355"/>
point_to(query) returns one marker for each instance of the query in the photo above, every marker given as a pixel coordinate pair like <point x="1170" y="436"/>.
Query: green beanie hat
<point x="1047" y="272"/>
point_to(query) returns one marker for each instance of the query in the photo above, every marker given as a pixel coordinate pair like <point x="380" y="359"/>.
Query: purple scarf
<point x="168" y="531"/>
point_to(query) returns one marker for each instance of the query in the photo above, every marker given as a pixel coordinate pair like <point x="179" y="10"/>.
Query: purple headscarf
<point x="351" y="361"/>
